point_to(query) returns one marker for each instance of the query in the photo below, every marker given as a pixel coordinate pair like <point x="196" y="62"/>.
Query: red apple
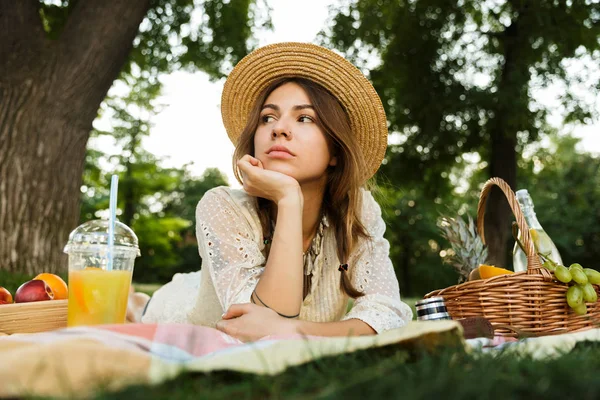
<point x="5" y="296"/>
<point x="35" y="290"/>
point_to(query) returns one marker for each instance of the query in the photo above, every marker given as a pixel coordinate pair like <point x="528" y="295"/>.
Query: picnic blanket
<point x="79" y="362"/>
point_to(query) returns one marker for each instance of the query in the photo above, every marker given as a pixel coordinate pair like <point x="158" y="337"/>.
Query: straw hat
<point x="318" y="64"/>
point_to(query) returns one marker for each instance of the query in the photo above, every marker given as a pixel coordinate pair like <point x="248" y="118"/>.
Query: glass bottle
<point x="542" y="242"/>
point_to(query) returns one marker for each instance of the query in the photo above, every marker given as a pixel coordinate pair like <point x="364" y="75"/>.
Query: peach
<point x="5" y="296"/>
<point x="35" y="290"/>
<point x="56" y="283"/>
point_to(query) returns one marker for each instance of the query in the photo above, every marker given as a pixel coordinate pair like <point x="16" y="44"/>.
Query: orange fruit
<point x="488" y="271"/>
<point x="58" y="286"/>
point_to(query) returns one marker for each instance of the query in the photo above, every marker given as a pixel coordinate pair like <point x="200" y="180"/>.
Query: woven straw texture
<point x="318" y="64"/>
<point x="529" y="303"/>
<point x="33" y="317"/>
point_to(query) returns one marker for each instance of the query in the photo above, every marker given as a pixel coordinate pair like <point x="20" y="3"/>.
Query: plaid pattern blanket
<point x="80" y="361"/>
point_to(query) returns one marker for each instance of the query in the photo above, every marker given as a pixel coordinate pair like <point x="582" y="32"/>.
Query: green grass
<point x="12" y="280"/>
<point x="377" y="374"/>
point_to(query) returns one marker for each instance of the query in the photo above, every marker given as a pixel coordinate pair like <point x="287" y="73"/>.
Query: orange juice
<point x="97" y="296"/>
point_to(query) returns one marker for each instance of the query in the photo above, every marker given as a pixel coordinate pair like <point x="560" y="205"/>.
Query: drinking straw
<point x="114" y="185"/>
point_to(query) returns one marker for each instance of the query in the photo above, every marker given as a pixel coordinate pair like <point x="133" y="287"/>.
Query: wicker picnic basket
<point x="529" y="303"/>
<point x="39" y="316"/>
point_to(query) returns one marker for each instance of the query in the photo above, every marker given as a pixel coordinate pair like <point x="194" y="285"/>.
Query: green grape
<point x="576" y="265"/>
<point x="589" y="293"/>
<point x="549" y="265"/>
<point x="574" y="296"/>
<point x="562" y="274"/>
<point x="578" y="275"/>
<point x="593" y="276"/>
<point x="580" y="309"/>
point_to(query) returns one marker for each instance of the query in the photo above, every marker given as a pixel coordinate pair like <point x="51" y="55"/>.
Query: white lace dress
<point x="231" y="245"/>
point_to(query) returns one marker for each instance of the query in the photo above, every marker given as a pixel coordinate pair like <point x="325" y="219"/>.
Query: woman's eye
<point x="305" y="118"/>
<point x="266" y="119"/>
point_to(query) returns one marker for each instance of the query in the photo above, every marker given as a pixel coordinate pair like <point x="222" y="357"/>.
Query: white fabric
<point x="231" y="245"/>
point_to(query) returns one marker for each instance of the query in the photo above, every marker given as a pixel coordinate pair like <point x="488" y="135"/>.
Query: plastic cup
<point x="97" y="293"/>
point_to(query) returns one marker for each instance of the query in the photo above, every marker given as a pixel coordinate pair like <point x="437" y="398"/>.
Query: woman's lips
<point x="278" y="154"/>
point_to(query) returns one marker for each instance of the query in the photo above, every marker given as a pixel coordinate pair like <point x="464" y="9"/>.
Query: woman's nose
<point x="281" y="129"/>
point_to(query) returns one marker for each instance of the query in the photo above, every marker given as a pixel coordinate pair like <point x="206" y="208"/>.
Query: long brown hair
<point x="342" y="198"/>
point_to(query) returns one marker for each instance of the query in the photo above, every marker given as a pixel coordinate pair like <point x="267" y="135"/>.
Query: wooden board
<point x="39" y="316"/>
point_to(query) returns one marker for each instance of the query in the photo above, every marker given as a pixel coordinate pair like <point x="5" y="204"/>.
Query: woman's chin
<point x="281" y="168"/>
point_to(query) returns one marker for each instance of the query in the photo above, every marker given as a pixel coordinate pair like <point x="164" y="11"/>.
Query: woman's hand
<point x="250" y="322"/>
<point x="136" y="303"/>
<point x="260" y="182"/>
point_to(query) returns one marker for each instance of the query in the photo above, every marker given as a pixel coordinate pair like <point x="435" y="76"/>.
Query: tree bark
<point x="513" y="86"/>
<point x="50" y="92"/>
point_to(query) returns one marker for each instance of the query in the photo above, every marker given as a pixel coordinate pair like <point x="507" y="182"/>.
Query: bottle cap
<point x="524" y="198"/>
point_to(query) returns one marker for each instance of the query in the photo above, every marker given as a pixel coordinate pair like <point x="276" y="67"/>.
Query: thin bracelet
<point x="263" y="303"/>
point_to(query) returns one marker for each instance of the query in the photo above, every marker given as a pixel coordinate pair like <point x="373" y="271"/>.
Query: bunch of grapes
<point x="581" y="291"/>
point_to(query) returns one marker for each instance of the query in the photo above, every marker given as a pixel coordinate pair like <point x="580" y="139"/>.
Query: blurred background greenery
<point x="457" y="79"/>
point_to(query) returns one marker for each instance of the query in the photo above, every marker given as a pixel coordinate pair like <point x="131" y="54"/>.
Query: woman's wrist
<point x="291" y="197"/>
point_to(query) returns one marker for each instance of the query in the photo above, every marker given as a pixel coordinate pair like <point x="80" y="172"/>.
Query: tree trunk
<point x="511" y="98"/>
<point x="498" y="215"/>
<point x="128" y="193"/>
<point x="50" y="92"/>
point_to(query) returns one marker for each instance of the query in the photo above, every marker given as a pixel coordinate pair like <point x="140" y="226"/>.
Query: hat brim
<point x="352" y="89"/>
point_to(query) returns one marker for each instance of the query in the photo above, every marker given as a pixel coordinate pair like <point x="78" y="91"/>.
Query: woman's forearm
<point x="351" y="327"/>
<point x="280" y="286"/>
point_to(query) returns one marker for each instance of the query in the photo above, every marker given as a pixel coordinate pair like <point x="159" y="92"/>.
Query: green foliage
<point x="458" y="77"/>
<point x="190" y="189"/>
<point x="443" y="77"/>
<point x="164" y="201"/>
<point x="415" y="243"/>
<point x="565" y="187"/>
<point x="157" y="203"/>
<point x="207" y="35"/>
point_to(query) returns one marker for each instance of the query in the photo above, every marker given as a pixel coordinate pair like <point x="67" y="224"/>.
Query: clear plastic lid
<point x="95" y="234"/>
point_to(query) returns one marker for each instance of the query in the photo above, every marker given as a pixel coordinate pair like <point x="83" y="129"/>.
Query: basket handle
<point x="533" y="260"/>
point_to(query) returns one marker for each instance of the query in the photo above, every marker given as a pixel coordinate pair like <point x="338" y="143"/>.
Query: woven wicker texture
<point x="318" y="64"/>
<point x="529" y="303"/>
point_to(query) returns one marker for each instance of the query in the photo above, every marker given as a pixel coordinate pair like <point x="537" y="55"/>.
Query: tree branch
<point x="95" y="43"/>
<point x="21" y="34"/>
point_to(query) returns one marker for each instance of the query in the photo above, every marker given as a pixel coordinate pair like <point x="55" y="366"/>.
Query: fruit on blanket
<point x="488" y="271"/>
<point x="35" y="290"/>
<point x="5" y="296"/>
<point x="56" y="283"/>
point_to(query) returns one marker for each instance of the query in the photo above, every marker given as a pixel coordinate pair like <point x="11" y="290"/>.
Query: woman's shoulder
<point x="234" y="203"/>
<point x="370" y="209"/>
<point x="227" y="195"/>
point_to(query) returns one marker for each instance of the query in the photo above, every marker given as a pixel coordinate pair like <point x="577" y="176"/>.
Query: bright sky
<point x="189" y="129"/>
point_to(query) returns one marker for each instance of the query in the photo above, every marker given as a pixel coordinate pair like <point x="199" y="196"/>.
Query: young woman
<point x="288" y="252"/>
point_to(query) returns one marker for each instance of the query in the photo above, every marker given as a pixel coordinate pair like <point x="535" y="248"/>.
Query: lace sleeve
<point x="373" y="274"/>
<point x="229" y="246"/>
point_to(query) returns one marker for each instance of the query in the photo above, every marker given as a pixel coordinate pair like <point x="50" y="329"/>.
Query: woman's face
<point x="288" y="139"/>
